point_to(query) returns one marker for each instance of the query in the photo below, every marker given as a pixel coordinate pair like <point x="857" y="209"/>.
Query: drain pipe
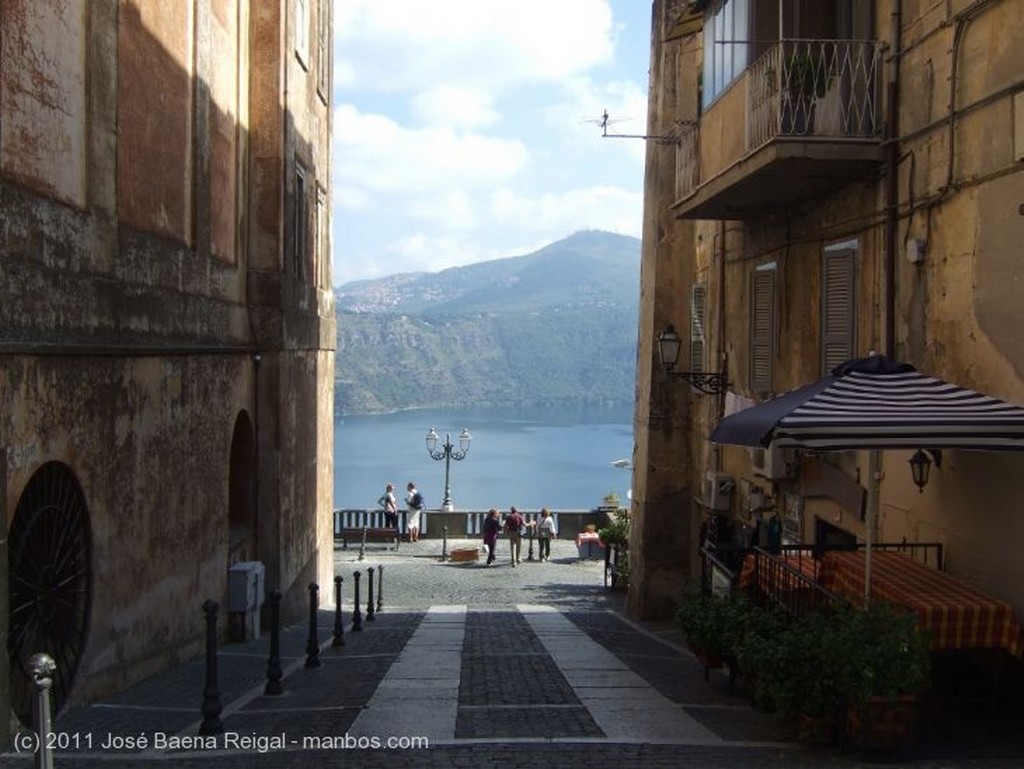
<point x="891" y="223"/>
<point x="891" y="177"/>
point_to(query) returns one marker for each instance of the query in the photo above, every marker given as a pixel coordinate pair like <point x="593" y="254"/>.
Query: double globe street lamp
<point x="447" y="452"/>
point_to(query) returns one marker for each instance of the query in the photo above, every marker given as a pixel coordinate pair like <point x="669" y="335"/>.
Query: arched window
<point x="50" y="583"/>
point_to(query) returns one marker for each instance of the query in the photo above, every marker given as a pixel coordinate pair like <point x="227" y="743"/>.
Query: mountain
<point x="555" y="326"/>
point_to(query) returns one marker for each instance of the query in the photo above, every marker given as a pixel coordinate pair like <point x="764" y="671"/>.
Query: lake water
<point x="560" y="458"/>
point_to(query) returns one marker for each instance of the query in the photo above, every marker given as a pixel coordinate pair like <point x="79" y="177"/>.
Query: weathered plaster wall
<point x="149" y="440"/>
<point x="130" y="325"/>
<point x="663" y="542"/>
<point x="227" y="126"/>
<point x="155" y="117"/>
<point x="43" y="93"/>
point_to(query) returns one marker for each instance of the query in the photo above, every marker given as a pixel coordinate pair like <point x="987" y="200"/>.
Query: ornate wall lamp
<point x="668" y="353"/>
<point x="921" y="465"/>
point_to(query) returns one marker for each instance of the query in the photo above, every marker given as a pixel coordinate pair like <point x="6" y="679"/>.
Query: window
<point x="301" y="249"/>
<point x="726" y="30"/>
<point x="762" y="328"/>
<point x="323" y="253"/>
<point x="838" y="304"/>
<point x="698" y="313"/>
<point x="323" y="51"/>
<point x="302" y="31"/>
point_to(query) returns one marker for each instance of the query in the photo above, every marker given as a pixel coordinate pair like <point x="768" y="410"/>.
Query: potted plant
<point x="803" y="674"/>
<point x="888" y="668"/>
<point x="704" y="620"/>
<point x="804" y="81"/>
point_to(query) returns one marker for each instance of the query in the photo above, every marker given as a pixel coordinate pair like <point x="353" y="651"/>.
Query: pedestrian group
<point x="514" y="525"/>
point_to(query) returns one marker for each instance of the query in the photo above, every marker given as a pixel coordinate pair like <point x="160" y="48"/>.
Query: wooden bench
<point x="371" y="533"/>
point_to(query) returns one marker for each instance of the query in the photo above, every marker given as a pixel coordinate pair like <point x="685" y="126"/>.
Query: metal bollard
<point x="529" y="555"/>
<point x="444" y="544"/>
<point x="42" y="668"/>
<point x="274" y="673"/>
<point x="362" y="546"/>
<point x="357" y="614"/>
<point x="369" y="595"/>
<point x="339" y="629"/>
<point x="380" y="588"/>
<point x="211" y="693"/>
<point x="313" y="643"/>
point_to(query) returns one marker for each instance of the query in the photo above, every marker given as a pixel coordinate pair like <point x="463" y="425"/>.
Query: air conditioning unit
<point x="718" y="490"/>
<point x="770" y="463"/>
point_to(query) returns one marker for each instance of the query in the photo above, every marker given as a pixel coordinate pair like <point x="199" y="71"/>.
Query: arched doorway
<point x="50" y="583"/>
<point x="242" y="496"/>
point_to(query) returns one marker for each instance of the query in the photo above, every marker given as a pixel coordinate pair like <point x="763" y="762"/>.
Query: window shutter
<point x="762" y="330"/>
<point x="838" y="308"/>
<point x="698" y="313"/>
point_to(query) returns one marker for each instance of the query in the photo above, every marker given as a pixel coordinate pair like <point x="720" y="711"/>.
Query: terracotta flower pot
<point x="882" y="725"/>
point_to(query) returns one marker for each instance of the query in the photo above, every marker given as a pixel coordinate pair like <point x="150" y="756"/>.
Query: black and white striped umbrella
<point x="876" y="403"/>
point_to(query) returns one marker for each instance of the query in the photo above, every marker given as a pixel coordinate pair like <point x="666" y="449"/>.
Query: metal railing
<point x="821" y="88"/>
<point x="463" y="522"/>
<point x="800" y="88"/>
<point x="790" y="579"/>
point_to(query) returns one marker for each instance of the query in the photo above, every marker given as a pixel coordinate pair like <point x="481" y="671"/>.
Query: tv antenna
<point x="673" y="137"/>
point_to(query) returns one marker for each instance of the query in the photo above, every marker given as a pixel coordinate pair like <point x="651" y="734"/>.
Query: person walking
<point x="414" y="503"/>
<point x="546" y="532"/>
<point x="390" y="504"/>
<point x="492" y="525"/>
<point x="514" y="523"/>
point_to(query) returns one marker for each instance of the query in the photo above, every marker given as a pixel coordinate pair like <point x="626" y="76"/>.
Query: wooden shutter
<point x="698" y="314"/>
<point x="762" y="330"/>
<point x="838" y="307"/>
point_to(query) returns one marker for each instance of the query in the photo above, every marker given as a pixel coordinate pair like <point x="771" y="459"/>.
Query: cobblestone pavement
<point x="463" y="666"/>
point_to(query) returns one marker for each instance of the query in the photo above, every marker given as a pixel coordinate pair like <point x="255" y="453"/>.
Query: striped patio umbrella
<point x="877" y="403"/>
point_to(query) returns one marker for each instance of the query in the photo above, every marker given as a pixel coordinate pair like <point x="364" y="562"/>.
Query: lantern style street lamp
<point x="448" y="452"/>
<point x="669" y="344"/>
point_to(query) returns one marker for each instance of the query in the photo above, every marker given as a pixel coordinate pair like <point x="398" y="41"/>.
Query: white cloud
<point x="496" y="42"/>
<point x="603" y="207"/>
<point x="376" y="153"/>
<point x="455" y="106"/>
<point x="460" y="133"/>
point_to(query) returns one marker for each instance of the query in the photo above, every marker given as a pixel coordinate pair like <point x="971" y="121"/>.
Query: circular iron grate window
<point x="50" y="583"/>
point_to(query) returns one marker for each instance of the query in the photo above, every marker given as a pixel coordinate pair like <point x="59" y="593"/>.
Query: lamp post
<point x="447" y="452"/>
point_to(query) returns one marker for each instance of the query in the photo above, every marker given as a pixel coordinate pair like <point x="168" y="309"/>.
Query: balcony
<point x="800" y="122"/>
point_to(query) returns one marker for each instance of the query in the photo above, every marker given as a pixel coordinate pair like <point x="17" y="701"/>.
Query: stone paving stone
<point x="674" y="672"/>
<point x="504" y="663"/>
<point x="511" y="687"/>
<point x="526" y="721"/>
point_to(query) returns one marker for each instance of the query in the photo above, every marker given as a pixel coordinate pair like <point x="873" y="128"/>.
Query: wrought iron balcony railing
<point x="799" y="89"/>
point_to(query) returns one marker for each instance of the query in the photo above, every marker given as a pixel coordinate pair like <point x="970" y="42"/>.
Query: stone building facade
<point x="832" y="179"/>
<point x="166" y="323"/>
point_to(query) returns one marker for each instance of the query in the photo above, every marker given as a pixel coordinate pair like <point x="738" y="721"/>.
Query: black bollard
<point x="357" y="613"/>
<point x="380" y="588"/>
<point x="339" y="629"/>
<point x="211" y="693"/>
<point x="274" y="674"/>
<point x="530" y="530"/>
<point x="313" y="644"/>
<point x="369" y="595"/>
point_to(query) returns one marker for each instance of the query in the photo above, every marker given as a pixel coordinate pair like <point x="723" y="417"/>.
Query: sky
<point x="469" y="130"/>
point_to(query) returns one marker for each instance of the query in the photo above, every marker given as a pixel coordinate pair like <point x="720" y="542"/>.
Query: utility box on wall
<point x="246" y="588"/>
<point x="718" y="490"/>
